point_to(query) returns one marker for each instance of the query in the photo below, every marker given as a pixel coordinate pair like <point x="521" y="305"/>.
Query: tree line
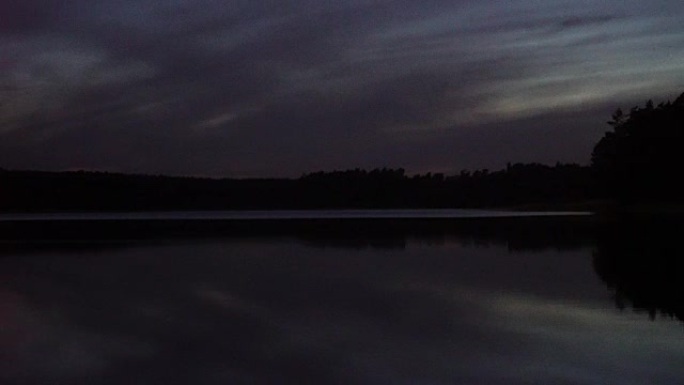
<point x="639" y="160"/>
<point x="517" y="184"/>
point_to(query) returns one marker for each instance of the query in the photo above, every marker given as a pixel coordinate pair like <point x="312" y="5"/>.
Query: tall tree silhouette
<point x="641" y="158"/>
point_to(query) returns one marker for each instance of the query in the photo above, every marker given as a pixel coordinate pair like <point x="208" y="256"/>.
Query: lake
<point x="496" y="300"/>
<point x="284" y="214"/>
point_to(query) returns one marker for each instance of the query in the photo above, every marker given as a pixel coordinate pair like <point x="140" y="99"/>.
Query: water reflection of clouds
<point x="286" y="313"/>
<point x="43" y="344"/>
<point x="586" y="344"/>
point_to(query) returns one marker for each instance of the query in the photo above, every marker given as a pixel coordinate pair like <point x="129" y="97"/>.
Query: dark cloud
<point x="578" y="21"/>
<point x="30" y="15"/>
<point x="262" y="88"/>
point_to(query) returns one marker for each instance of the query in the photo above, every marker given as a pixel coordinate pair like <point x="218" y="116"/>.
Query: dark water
<point x="485" y="302"/>
<point x="287" y="214"/>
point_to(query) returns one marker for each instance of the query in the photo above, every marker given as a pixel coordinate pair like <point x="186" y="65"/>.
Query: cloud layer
<point x="268" y="89"/>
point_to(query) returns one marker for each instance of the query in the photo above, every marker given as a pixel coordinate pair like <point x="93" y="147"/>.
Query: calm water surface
<point x="286" y="214"/>
<point x="493" y="306"/>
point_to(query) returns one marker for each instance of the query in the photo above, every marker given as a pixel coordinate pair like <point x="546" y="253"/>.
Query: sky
<point x="279" y="88"/>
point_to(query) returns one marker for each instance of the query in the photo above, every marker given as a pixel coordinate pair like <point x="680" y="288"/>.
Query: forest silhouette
<point x="636" y="162"/>
<point x="518" y="184"/>
<point x="639" y="160"/>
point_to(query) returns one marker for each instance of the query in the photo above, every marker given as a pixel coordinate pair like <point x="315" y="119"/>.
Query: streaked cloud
<point x="299" y="86"/>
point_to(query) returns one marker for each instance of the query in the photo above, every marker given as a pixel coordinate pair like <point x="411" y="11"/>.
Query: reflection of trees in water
<point x="642" y="263"/>
<point x="514" y="233"/>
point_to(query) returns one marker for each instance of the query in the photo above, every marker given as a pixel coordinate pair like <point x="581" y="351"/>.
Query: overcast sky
<point x="277" y="88"/>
